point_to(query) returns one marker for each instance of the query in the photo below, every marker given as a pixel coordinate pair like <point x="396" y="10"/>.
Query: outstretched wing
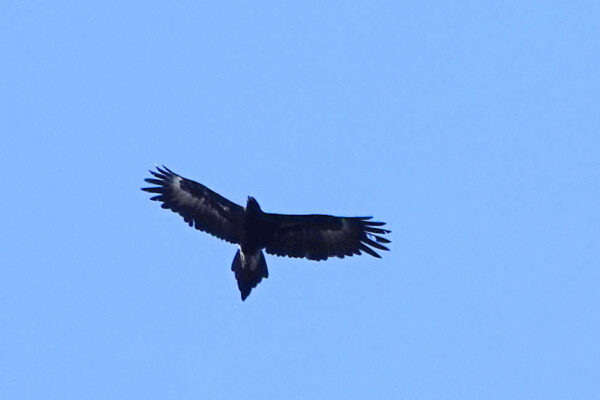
<point x="318" y="237"/>
<point x="198" y="205"/>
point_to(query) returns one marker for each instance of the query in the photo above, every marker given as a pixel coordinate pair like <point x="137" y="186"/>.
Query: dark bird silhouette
<point x="316" y="237"/>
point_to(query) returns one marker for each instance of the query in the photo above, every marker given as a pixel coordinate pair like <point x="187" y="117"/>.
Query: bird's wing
<point x="198" y="205"/>
<point x="318" y="237"/>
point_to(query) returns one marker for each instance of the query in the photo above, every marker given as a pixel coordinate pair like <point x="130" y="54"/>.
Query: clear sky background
<point x="472" y="128"/>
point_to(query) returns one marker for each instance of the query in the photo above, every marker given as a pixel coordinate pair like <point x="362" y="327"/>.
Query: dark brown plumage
<point x="315" y="236"/>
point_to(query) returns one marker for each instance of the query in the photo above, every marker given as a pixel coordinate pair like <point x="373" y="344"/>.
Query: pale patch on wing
<point x="337" y="234"/>
<point x="182" y="197"/>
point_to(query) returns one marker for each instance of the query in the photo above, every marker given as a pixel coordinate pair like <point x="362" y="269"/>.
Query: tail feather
<point x="249" y="271"/>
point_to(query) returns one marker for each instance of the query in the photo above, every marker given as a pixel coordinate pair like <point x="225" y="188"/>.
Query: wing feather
<point x="199" y="206"/>
<point x="318" y="237"/>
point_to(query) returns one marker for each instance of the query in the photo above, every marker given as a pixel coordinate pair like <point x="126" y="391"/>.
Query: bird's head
<point x="252" y="204"/>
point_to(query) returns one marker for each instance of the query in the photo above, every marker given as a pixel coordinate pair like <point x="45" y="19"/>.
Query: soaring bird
<point x="316" y="237"/>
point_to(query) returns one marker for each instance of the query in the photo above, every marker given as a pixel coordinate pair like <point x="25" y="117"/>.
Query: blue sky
<point x="470" y="127"/>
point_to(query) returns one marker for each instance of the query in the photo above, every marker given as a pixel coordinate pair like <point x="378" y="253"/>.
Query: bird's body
<point x="316" y="236"/>
<point x="256" y="229"/>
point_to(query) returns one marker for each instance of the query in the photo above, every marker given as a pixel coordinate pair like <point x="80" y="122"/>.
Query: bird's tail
<point x="249" y="271"/>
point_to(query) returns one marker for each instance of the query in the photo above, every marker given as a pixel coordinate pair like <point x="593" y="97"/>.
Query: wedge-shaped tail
<point x="249" y="270"/>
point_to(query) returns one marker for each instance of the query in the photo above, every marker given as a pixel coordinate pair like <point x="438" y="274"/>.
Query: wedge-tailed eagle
<point x="316" y="237"/>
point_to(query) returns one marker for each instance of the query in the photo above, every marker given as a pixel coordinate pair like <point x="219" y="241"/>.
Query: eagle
<point x="315" y="236"/>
